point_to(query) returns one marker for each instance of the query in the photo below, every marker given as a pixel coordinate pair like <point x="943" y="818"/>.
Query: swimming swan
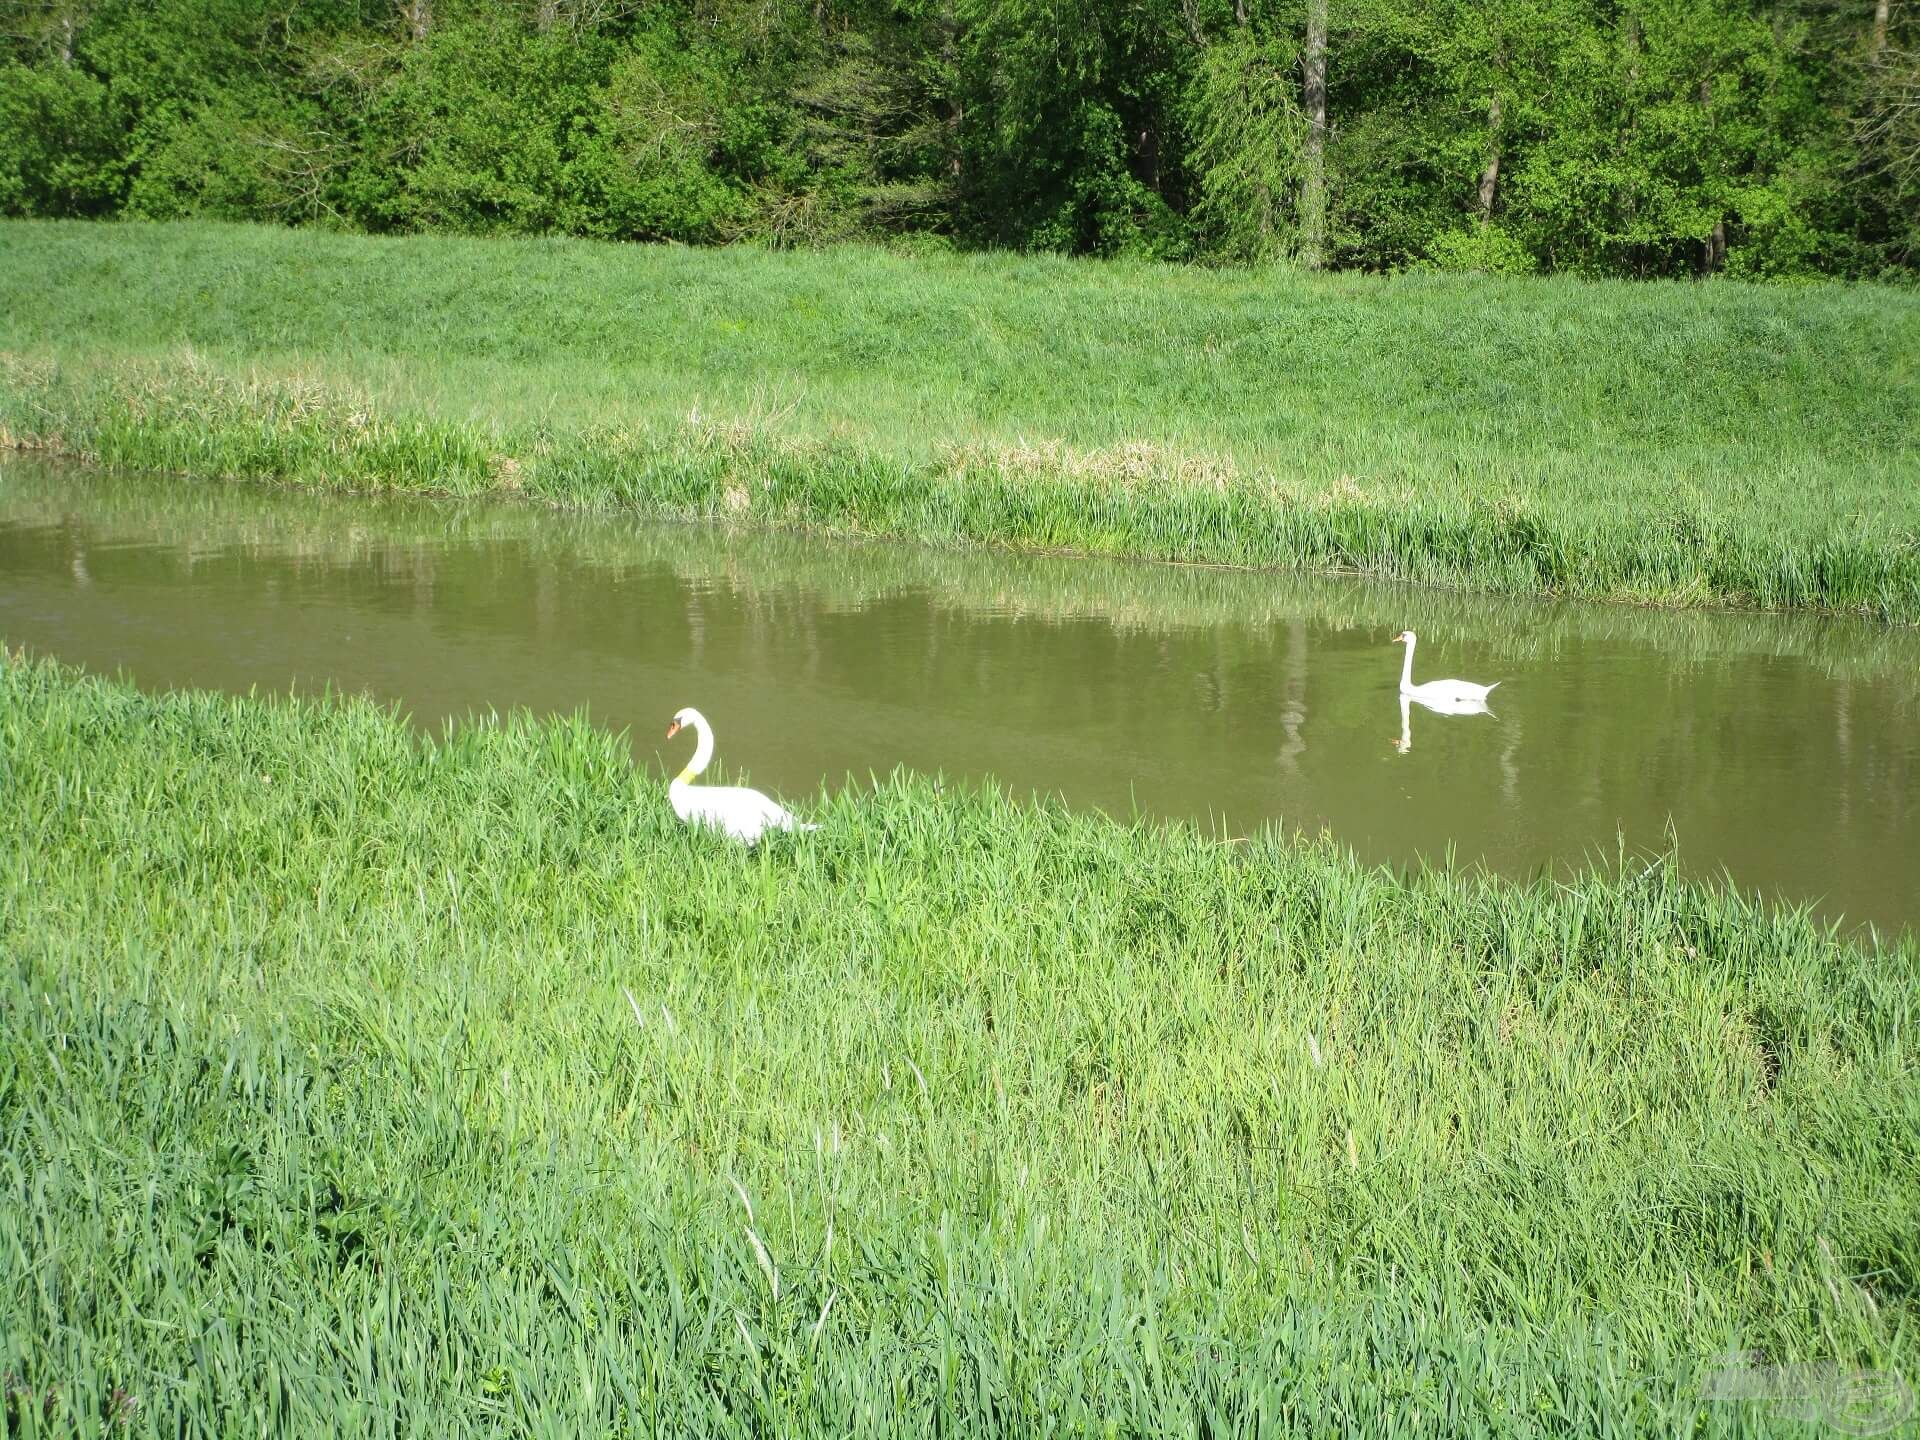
<point x="1437" y="692"/>
<point x="744" y="814"/>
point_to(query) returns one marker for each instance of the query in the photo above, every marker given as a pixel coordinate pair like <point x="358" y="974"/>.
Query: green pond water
<point x="1783" y="751"/>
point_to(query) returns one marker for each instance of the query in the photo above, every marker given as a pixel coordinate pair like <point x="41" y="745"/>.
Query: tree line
<point x="1762" y="138"/>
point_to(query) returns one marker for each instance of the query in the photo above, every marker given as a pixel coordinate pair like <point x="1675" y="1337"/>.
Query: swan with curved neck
<point x="744" y="814"/>
<point x="1438" y="692"/>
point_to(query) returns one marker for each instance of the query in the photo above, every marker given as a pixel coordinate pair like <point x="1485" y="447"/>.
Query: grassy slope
<point x="1672" y="442"/>
<point x="436" y="1080"/>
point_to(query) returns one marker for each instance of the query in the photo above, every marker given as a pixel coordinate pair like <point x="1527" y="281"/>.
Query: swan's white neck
<point x="702" y="750"/>
<point x="1406" y="668"/>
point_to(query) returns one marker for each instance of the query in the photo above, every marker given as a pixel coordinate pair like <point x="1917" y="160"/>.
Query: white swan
<point x="1438" y="693"/>
<point x="744" y="814"/>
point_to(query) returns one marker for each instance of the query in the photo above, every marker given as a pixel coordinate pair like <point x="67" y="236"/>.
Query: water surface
<point x="1784" y="751"/>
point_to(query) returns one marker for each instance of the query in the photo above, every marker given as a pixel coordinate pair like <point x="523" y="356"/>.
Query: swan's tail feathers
<point x="1494" y="686"/>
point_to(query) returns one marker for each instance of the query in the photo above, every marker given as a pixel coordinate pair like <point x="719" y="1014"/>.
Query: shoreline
<point x="1600" y="469"/>
<point x="427" y="1003"/>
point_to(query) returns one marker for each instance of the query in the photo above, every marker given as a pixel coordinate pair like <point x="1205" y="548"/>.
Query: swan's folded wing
<point x="744" y="814"/>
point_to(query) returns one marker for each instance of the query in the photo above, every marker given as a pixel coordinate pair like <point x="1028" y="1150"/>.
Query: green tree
<point x="1631" y="137"/>
<point x="1250" y="141"/>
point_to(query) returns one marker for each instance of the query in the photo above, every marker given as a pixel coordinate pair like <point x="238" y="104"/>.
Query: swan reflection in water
<point x="1459" y="705"/>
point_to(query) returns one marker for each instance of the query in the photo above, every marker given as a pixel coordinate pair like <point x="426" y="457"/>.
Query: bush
<point x="1483" y="247"/>
<point x="58" y="149"/>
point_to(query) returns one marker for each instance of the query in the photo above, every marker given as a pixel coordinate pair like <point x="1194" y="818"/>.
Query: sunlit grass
<point x="1676" y="443"/>
<point x="452" y="1086"/>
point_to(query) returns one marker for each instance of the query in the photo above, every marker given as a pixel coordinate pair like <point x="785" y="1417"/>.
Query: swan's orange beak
<point x="673" y="729"/>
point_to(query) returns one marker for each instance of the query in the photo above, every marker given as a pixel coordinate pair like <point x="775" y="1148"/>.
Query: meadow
<point x="362" y="1082"/>
<point x="1714" y="443"/>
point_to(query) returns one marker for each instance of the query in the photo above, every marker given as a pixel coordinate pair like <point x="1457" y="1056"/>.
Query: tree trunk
<point x="66" y="41"/>
<point x="956" y="109"/>
<point x="419" y="17"/>
<point x="1490" y="177"/>
<point x="1713" y="250"/>
<point x="1193" y="23"/>
<point x="1624" y="122"/>
<point x="1313" y="193"/>
<point x="1882" y="12"/>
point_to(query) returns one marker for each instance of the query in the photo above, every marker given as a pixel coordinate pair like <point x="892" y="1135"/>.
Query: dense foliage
<point x="1628" y="137"/>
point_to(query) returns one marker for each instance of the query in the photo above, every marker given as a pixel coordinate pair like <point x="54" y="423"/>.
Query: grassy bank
<point x="1684" y="444"/>
<point x="335" y="533"/>
<point x="451" y="1085"/>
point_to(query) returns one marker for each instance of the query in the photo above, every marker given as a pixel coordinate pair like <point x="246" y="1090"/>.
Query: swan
<point x="744" y="814"/>
<point x="1438" y="693"/>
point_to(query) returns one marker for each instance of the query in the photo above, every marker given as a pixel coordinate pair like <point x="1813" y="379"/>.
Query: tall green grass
<point x="362" y="1083"/>
<point x="1684" y="444"/>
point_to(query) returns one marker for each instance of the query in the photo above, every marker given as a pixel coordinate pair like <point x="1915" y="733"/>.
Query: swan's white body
<point x="744" y="814"/>
<point x="1446" y="695"/>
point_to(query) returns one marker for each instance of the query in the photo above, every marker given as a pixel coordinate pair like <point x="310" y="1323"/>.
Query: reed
<point x="357" y="1081"/>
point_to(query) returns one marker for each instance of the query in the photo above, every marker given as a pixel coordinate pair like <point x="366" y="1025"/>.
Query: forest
<point x="1767" y="139"/>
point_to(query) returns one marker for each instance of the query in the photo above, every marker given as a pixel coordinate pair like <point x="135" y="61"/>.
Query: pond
<point x="1783" y="751"/>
